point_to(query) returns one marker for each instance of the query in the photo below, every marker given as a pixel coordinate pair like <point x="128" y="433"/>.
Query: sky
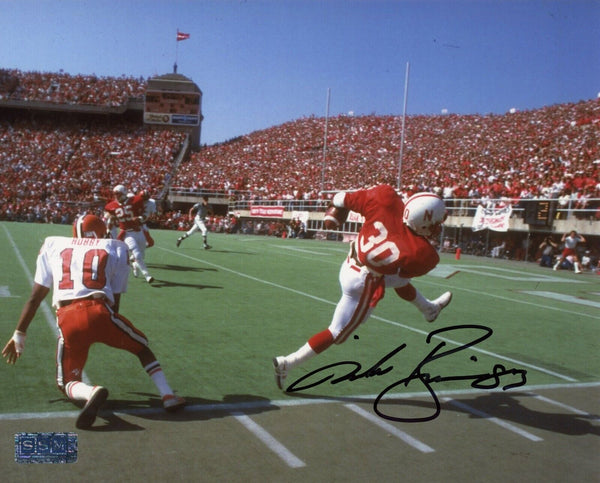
<point x="261" y="63"/>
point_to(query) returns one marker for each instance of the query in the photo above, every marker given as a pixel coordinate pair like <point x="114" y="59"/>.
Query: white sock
<point x="301" y="355"/>
<point x="158" y="377"/>
<point x="78" y="391"/>
<point x="421" y="302"/>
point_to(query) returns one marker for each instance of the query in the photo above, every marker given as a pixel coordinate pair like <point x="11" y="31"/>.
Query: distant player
<point x="87" y="274"/>
<point x="198" y="214"/>
<point x="571" y="240"/>
<point x="391" y="249"/>
<point x="128" y="212"/>
<point x="149" y="212"/>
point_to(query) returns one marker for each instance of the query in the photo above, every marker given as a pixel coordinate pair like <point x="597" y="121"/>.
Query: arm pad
<point x="338" y="199"/>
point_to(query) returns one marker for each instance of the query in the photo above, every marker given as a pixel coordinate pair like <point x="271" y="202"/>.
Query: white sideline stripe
<point x="499" y="422"/>
<point x="524" y="302"/>
<point x="487" y="271"/>
<point x="48" y="313"/>
<point x="408" y="439"/>
<point x="563" y="298"/>
<point x="419" y="331"/>
<point x="5" y="293"/>
<point x="280" y="450"/>
<point x="301" y="250"/>
<point x="564" y="406"/>
<point x="256" y="405"/>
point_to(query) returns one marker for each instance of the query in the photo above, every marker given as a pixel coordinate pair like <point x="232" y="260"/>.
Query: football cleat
<point x="280" y="367"/>
<point x="436" y="306"/>
<point x="87" y="416"/>
<point x="149" y="278"/>
<point x="207" y="247"/>
<point x="178" y="242"/>
<point x="173" y="403"/>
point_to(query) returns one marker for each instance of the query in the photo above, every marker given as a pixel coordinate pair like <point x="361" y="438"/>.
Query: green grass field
<point x="215" y="318"/>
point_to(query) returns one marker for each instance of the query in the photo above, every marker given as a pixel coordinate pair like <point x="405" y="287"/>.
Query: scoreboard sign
<point x="172" y="108"/>
<point x="539" y="212"/>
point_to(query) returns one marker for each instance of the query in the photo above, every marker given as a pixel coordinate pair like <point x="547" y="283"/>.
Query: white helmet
<point x="424" y="213"/>
<point x="120" y="192"/>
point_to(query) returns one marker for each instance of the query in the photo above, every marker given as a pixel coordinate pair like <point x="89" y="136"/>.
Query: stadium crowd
<point x="62" y="88"/>
<point x="51" y="169"/>
<point x="553" y="152"/>
<point x="51" y="166"/>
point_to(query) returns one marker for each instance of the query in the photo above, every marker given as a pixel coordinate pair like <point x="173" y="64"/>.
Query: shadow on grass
<point x="500" y="405"/>
<point x="180" y="268"/>
<point x="149" y="406"/>
<point x="158" y="283"/>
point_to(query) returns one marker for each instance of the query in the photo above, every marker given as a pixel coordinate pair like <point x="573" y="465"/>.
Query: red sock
<point x="321" y="341"/>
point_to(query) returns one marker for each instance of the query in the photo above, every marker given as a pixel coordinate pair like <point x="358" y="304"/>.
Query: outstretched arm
<point x="14" y="347"/>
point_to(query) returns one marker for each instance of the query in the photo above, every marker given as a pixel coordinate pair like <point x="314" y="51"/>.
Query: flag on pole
<point x="182" y="36"/>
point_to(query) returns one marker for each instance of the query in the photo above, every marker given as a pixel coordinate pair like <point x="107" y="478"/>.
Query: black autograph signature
<point x="488" y="380"/>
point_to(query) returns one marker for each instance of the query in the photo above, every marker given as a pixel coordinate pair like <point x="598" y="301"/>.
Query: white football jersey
<point x="79" y="267"/>
<point x="149" y="207"/>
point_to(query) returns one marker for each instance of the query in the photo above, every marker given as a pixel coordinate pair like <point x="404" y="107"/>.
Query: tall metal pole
<point x="176" y="52"/>
<point x="403" y="125"/>
<point x="325" y="142"/>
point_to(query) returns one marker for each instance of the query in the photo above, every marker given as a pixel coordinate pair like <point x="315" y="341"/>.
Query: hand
<point x="14" y="347"/>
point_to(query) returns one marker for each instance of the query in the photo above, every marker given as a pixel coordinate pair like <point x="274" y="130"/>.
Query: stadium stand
<point x="54" y="163"/>
<point x="547" y="153"/>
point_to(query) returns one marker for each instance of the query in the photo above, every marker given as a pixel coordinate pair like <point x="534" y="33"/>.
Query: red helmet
<point x="88" y="226"/>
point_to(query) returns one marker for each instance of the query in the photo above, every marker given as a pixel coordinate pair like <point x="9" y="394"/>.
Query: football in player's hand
<point x="334" y="217"/>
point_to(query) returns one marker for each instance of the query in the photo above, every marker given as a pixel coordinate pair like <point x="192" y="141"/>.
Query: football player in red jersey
<point x="390" y="249"/>
<point x="87" y="274"/>
<point x="128" y="212"/>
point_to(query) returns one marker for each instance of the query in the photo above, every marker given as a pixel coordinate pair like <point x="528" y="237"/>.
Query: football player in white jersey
<point x="198" y="214"/>
<point x="149" y="211"/>
<point x="87" y="274"/>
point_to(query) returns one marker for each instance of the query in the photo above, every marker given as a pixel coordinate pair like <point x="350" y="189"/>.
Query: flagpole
<point x="403" y="124"/>
<point x="325" y="142"/>
<point x="176" y="52"/>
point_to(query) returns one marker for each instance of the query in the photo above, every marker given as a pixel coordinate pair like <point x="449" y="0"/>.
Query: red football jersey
<point x="127" y="214"/>
<point x="385" y="244"/>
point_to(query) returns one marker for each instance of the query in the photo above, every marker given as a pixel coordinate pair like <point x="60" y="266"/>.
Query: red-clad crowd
<point x="50" y="165"/>
<point x="50" y="169"/>
<point x="551" y="152"/>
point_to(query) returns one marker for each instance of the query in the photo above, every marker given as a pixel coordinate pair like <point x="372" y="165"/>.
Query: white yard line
<point x="497" y="421"/>
<point x="273" y="444"/>
<point x="407" y="438"/>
